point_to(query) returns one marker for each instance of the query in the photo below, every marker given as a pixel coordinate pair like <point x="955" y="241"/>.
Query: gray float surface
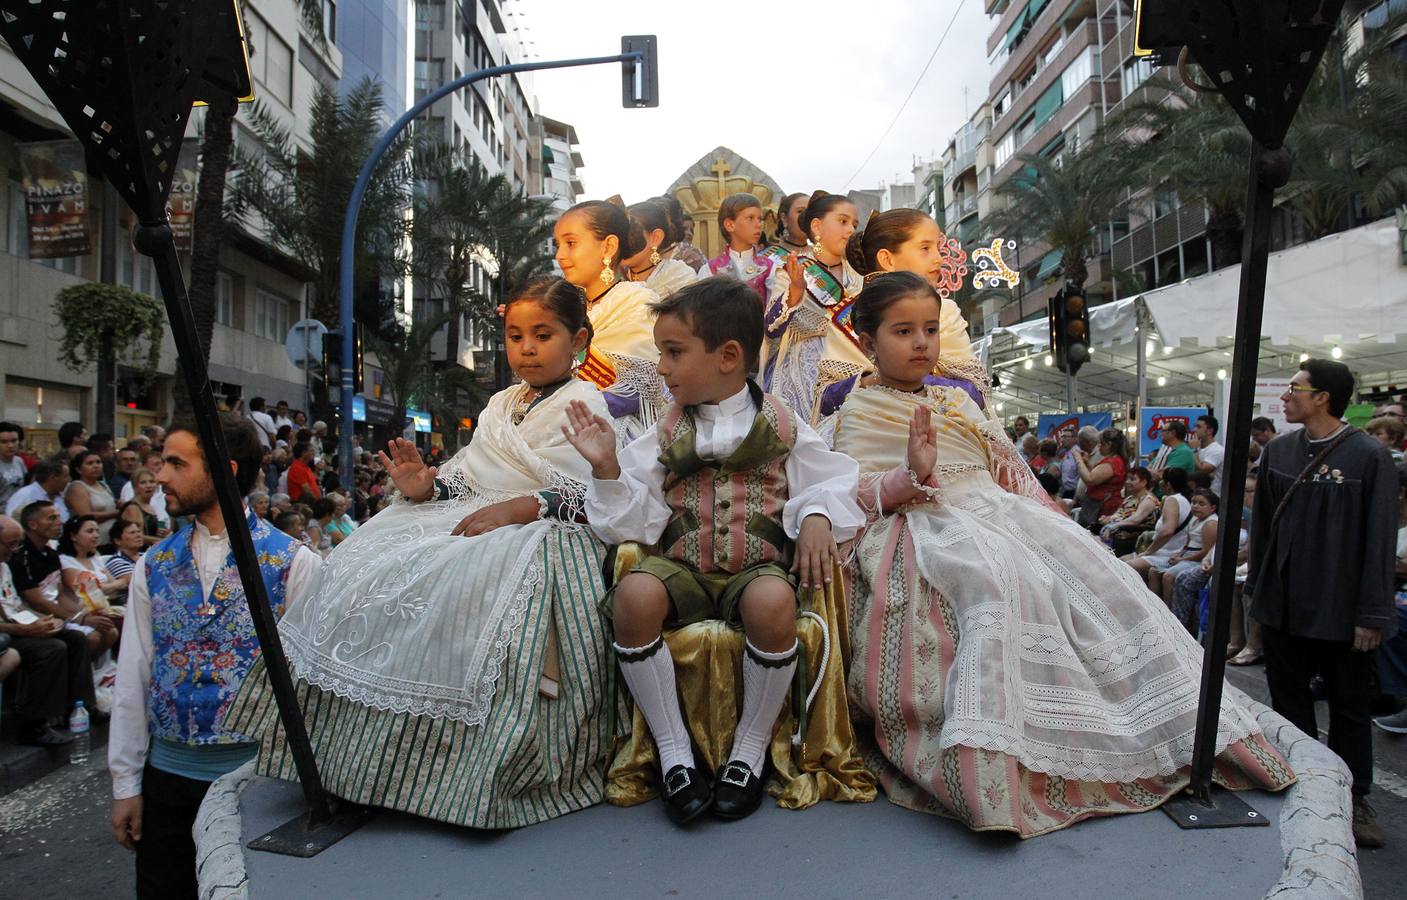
<point x="830" y="850"/>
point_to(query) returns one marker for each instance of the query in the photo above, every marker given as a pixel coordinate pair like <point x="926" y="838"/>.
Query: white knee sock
<point x="766" y="678"/>
<point x="649" y="673"/>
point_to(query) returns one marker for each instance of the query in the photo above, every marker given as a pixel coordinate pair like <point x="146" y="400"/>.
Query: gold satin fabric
<point x="708" y="670"/>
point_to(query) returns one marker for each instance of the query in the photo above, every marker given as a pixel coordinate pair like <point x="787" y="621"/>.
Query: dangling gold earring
<point x="654" y="256"/>
<point x="607" y="273"/>
<point x="816" y="248"/>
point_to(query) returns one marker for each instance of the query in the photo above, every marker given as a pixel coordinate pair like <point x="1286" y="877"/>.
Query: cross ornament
<point x="721" y="169"/>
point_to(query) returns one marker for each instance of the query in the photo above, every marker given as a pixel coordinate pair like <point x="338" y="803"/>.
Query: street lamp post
<point x="639" y="88"/>
<point x="1260" y="55"/>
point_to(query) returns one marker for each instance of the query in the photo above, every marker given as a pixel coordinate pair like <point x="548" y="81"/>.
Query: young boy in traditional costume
<point x="728" y="483"/>
<point x="740" y="224"/>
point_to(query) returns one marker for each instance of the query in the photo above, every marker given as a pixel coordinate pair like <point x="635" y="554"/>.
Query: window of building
<point x="270" y="59"/>
<point x="33" y="405"/>
<point x="429" y="13"/>
<point x="1004" y="150"/>
<point x="1164" y="202"/>
<point x="1048" y="104"/>
<point x="1082" y="69"/>
<point x="1000" y="107"/>
<point x="224" y="299"/>
<point x="1135" y="73"/>
<point x="1169" y="268"/>
<point x="429" y="74"/>
<point x="329" y="20"/>
<point x="272" y="315"/>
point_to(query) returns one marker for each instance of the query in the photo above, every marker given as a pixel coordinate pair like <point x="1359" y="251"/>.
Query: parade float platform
<point x="830" y="850"/>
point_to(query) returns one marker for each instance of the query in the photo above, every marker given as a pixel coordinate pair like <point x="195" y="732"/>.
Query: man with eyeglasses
<point x="1321" y="569"/>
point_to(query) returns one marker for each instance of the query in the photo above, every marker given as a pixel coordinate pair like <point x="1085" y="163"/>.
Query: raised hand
<point x="412" y="477"/>
<point x="594" y="438"/>
<point x="922" y="454"/>
<point x="797" y="285"/>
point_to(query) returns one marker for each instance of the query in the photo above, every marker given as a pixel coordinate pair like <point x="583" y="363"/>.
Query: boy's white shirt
<point x="633" y="508"/>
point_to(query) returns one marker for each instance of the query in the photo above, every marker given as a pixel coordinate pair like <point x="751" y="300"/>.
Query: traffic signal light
<point x="640" y="79"/>
<point x="332" y="358"/>
<point x="1068" y="318"/>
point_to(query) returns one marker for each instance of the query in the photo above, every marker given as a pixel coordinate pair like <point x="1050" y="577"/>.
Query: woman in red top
<point x="1105" y="481"/>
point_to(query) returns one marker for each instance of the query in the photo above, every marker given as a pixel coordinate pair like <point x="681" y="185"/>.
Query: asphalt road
<point x="55" y="843"/>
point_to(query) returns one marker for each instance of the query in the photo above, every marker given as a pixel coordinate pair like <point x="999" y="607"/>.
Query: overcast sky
<point x="804" y="97"/>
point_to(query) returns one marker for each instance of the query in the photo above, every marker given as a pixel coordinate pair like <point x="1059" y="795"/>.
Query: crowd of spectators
<point x="78" y="519"/>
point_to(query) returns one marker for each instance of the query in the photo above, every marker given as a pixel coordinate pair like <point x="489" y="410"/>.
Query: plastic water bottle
<point x="78" y="727"/>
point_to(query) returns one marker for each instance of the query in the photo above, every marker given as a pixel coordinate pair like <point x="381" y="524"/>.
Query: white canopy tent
<point x="1346" y="293"/>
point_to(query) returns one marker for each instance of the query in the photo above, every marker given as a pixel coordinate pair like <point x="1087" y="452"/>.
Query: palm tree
<point x="298" y="197"/>
<point x="1192" y="143"/>
<point x="1063" y="200"/>
<point x="410" y="376"/>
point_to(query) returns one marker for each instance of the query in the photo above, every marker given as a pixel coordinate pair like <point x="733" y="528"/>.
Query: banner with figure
<point x="180" y="206"/>
<point x="1150" y="424"/>
<point x="55" y="180"/>
<point x="1049" y="425"/>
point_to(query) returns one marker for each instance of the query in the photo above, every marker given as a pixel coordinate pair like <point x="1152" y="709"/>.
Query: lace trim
<point x="370" y="690"/>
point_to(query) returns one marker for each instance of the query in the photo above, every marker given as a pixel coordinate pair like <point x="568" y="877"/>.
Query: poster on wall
<point x="180" y="206"/>
<point x="55" y="181"/>
<point x="1051" y="424"/>
<point x="1150" y="424"/>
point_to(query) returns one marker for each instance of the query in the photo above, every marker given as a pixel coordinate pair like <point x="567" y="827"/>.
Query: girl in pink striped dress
<point x="1016" y="676"/>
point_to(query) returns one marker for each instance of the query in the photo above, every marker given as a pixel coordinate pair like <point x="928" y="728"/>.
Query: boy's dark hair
<point x="11" y="426"/>
<point x="286" y="518"/>
<point x="68" y="433"/>
<point x="717" y="310"/>
<point x="1334" y="379"/>
<point x="1212" y="424"/>
<point x="45" y="469"/>
<point x="1262" y="423"/>
<point x="256" y="404"/>
<point x="732" y="207"/>
<point x="242" y="442"/>
<point x="1050" y="482"/>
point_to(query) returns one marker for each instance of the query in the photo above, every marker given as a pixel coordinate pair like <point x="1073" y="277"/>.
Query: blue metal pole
<point x="354" y="203"/>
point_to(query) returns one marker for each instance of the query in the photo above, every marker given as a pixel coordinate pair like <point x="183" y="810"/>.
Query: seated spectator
<point x="1173" y="521"/>
<point x="88" y="495"/>
<point x="128" y="546"/>
<point x="73" y="439"/>
<point x="1103" y="480"/>
<point x="1030" y="446"/>
<point x="124" y="464"/>
<point x="142" y="508"/>
<point x="1051" y="483"/>
<point x="258" y="503"/>
<point x="1174" y="454"/>
<point x="49" y="481"/>
<point x="1044" y="460"/>
<point x="302" y="482"/>
<point x="1135" y="515"/>
<point x="1201" y="540"/>
<point x="13" y="471"/>
<point x="291" y="523"/>
<point x="38" y="576"/>
<point x="278" y="504"/>
<point x="84" y="570"/>
<point x="324" y="510"/>
<point x="340" y="526"/>
<point x="1388" y="431"/>
<point x="53" y="660"/>
<point x="152" y="461"/>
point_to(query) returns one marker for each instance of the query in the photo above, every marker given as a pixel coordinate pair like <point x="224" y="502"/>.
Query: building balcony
<point x="1021" y="103"/>
<point x="1074" y="106"/>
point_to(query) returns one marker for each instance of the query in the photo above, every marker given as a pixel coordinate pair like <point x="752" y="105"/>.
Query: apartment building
<point x="260" y="292"/>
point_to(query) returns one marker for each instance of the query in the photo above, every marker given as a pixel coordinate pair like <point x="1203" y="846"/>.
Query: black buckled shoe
<point x="687" y="794"/>
<point x="737" y="793"/>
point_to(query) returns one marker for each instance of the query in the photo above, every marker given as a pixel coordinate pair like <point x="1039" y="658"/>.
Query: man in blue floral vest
<point x="189" y="642"/>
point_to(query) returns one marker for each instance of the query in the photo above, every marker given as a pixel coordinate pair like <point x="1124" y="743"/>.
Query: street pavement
<point x="55" y="842"/>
